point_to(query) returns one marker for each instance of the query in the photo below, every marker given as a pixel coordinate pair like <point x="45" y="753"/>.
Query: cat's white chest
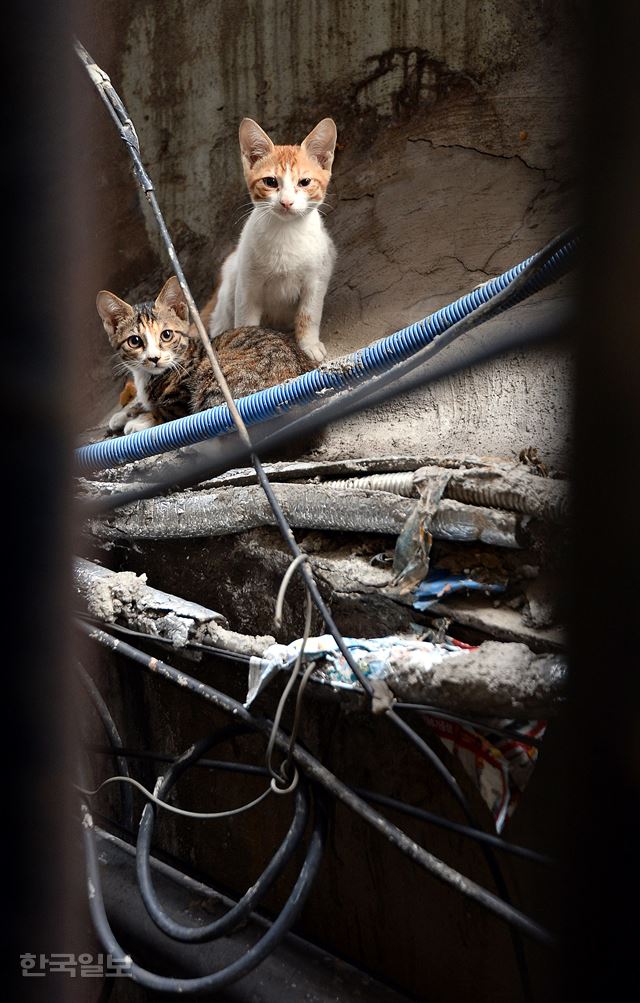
<point x="287" y="252"/>
<point x="278" y="276"/>
<point x="284" y="262"/>
<point x="140" y="380"/>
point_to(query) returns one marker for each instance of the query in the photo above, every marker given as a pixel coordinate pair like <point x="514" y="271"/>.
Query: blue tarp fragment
<point x="439" y="584"/>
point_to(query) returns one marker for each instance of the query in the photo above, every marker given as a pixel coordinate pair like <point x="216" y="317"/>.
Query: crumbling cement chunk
<point x="125" y="598"/>
<point x="498" y="679"/>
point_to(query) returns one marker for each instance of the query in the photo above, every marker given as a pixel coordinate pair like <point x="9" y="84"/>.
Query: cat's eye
<point x="271" y="182"/>
<point x="135" y="341"/>
<point x="304" y="182"/>
<point x="166" y="335"/>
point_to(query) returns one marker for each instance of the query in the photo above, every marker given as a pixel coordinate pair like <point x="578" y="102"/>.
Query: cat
<point x="171" y="373"/>
<point x="154" y="344"/>
<point x="279" y="272"/>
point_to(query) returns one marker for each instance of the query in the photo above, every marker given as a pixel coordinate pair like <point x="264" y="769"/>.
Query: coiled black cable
<point x="251" y="898"/>
<point x="374" y="797"/>
<point x="316" y="772"/>
<point x="115" y="742"/>
<point x="237" y="969"/>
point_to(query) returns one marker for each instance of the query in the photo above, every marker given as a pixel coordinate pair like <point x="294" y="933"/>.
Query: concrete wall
<point x="455" y="129"/>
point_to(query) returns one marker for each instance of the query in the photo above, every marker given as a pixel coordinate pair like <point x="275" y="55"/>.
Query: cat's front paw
<point x="137" y="424"/>
<point x="118" y="420"/>
<point x="315" y="350"/>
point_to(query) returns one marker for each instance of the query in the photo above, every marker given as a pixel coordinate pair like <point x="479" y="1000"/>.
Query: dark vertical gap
<point x="41" y="866"/>
<point x="602" y="794"/>
<point x="47" y="242"/>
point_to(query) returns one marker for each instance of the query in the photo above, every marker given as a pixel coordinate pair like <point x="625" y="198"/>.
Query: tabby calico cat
<point x="171" y="374"/>
<point x="279" y="272"/>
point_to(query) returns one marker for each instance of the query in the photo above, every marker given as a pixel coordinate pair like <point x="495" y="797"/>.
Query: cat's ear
<point x="321" y="142"/>
<point x="112" y="310"/>
<point x="254" y="143"/>
<point x="171" y="296"/>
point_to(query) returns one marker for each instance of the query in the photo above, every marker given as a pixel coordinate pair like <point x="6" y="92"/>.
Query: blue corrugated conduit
<point x="334" y="375"/>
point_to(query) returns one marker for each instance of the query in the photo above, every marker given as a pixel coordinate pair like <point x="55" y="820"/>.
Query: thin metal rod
<point x="125" y="127"/>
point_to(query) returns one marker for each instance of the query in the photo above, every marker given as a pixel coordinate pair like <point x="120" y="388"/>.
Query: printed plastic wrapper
<point x="499" y="767"/>
<point x="375" y="657"/>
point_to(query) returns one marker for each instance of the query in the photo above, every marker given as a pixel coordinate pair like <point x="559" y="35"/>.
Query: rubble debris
<point x="488" y="481"/>
<point x="350" y="577"/>
<point x="501" y="623"/>
<point x="125" y="598"/>
<point x="495" y="679"/>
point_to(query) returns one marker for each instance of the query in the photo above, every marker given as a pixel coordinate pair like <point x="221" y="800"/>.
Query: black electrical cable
<point x="492" y="862"/>
<point x="126" y="797"/>
<point x="318" y="773"/>
<point x="240" y="911"/>
<point x="203" y="764"/>
<point x="446" y="715"/>
<point x="209" y="649"/>
<point x="231" y="973"/>
<point x="489" y="843"/>
<point x="479" y="835"/>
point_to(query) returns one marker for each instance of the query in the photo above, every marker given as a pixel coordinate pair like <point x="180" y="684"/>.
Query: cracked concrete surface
<point x="498" y="679"/>
<point x="454" y="163"/>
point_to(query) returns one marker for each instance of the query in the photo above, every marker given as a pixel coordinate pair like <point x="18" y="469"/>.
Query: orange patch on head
<point x="309" y="162"/>
<point x="300" y="166"/>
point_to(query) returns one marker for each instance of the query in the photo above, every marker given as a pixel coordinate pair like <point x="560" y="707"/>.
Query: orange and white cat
<point x="279" y="272"/>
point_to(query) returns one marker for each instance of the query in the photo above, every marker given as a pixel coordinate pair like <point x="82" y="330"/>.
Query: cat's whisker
<point x="243" y="210"/>
<point x="120" y="369"/>
<point x="241" y="219"/>
<point x="250" y="208"/>
<point x="242" y="204"/>
<point x="263" y="215"/>
<point x="257" y="209"/>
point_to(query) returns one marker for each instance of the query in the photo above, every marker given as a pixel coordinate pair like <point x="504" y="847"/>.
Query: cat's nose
<point x="153" y="359"/>
<point x="286" y="203"/>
